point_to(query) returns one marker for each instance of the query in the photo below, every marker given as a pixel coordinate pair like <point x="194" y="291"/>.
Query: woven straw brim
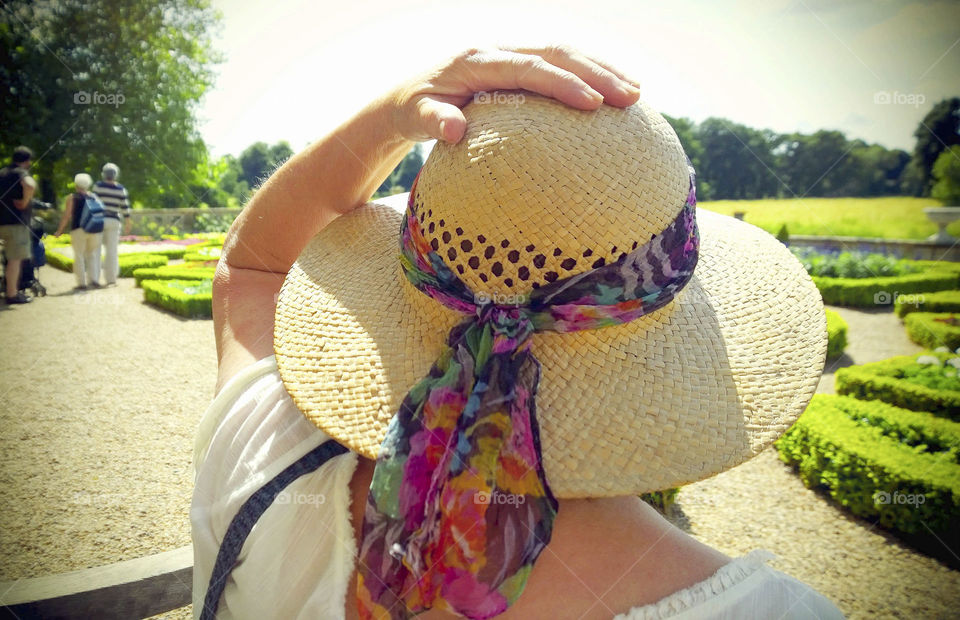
<point x="690" y="390"/>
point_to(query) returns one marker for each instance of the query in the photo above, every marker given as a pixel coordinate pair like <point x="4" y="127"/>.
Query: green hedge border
<point x="59" y="261"/>
<point x="924" y="329"/>
<point x="128" y="262"/>
<point x="858" y="452"/>
<point x="878" y="381"/>
<point x="836" y="334"/>
<point x="174" y="272"/>
<point x="131" y="262"/>
<point x="192" y="305"/>
<point x="941" y="301"/>
<point x="873" y="292"/>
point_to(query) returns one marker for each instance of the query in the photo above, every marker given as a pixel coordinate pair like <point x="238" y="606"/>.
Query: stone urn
<point x="942" y="217"/>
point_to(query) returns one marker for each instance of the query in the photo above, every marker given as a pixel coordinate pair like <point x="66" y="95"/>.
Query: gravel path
<point x="96" y="443"/>
<point x="102" y="395"/>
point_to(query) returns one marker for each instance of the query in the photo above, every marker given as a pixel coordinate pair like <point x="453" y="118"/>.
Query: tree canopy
<point x="937" y="132"/>
<point x="117" y="80"/>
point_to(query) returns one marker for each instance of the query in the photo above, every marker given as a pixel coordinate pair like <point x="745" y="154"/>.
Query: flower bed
<point x="855" y="265"/>
<point x="187" y="298"/>
<point x="836" y="335"/>
<point x="880" y="461"/>
<point x="904" y="382"/>
<point x="933" y="330"/>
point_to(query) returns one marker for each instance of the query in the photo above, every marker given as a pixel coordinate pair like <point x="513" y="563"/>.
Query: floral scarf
<point x="459" y="507"/>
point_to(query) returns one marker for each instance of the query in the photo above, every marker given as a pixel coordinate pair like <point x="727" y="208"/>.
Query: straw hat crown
<point x="538" y="191"/>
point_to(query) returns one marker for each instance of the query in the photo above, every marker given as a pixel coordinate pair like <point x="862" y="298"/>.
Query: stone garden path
<point x="102" y="394"/>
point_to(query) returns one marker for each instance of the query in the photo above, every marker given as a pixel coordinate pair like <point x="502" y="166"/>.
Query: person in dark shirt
<point x="16" y="191"/>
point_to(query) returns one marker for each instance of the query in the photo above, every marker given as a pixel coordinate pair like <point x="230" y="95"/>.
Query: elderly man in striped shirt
<point x="116" y="205"/>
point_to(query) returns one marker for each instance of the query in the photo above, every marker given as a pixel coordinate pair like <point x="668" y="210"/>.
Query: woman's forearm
<point x="328" y="178"/>
<point x="67" y="214"/>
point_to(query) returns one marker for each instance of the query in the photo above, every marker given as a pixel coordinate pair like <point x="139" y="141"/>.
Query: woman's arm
<point x="341" y="172"/>
<point x="67" y="215"/>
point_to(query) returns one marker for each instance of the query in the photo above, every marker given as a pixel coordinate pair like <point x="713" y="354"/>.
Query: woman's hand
<point x="429" y="106"/>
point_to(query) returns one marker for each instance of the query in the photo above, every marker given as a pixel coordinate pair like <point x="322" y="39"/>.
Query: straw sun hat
<point x="534" y="193"/>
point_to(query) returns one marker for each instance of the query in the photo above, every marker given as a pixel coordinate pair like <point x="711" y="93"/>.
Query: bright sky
<point x="295" y="69"/>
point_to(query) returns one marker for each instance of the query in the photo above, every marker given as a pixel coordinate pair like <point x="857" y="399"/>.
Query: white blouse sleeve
<point x="298" y="558"/>
<point x="743" y="588"/>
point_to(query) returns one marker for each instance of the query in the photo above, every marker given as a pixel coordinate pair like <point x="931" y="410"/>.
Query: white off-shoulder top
<point x="298" y="559"/>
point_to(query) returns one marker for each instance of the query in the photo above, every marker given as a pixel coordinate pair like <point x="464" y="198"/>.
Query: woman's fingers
<point x="503" y="69"/>
<point x="430" y="106"/>
<point x="612" y="84"/>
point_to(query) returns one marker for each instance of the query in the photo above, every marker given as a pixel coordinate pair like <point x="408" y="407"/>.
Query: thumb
<point x="440" y="120"/>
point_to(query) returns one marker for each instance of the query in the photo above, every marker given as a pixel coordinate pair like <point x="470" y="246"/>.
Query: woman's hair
<point x="110" y="172"/>
<point x="83" y="181"/>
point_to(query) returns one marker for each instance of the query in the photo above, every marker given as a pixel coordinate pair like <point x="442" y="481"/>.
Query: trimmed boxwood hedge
<point x="942" y="301"/>
<point x="883" y="381"/>
<point x="131" y="262"/>
<point x="175" y="272"/>
<point x="836" y="335"/>
<point x="871" y="292"/>
<point x="187" y="298"/>
<point x="932" y="330"/>
<point x="935" y="265"/>
<point x="868" y="454"/>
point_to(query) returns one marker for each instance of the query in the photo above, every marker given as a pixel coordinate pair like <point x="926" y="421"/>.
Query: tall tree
<point x="939" y="130"/>
<point x="117" y="80"/>
<point x="738" y="162"/>
<point x="686" y="131"/>
<point x="259" y="160"/>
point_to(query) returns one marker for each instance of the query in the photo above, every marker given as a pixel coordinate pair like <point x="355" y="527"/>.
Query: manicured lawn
<point x="895" y="217"/>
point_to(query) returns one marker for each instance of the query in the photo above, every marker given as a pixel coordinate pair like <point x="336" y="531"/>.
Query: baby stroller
<point x="29" y="269"/>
